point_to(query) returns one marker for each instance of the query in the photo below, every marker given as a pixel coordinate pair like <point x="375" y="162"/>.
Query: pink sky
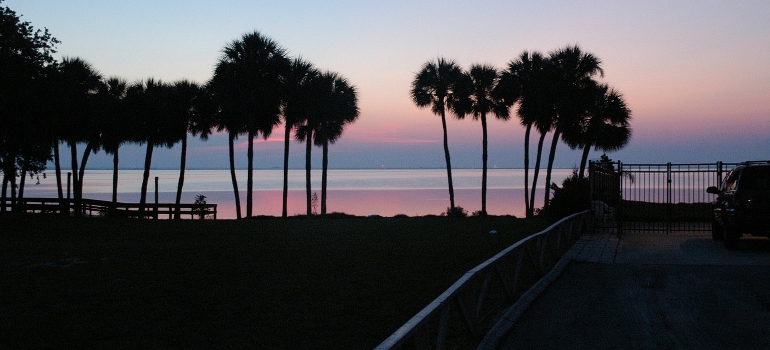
<point x="694" y="73"/>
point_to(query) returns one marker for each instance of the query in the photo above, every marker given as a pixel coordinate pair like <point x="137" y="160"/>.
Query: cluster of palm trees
<point x="558" y="93"/>
<point x="255" y="87"/>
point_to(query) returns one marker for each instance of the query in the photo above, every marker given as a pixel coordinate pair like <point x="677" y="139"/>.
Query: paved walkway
<point x="647" y="291"/>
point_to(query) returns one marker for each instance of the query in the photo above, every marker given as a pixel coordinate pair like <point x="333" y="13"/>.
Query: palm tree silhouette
<point x="341" y="104"/>
<point x="606" y="127"/>
<point x="434" y="86"/>
<point x="296" y="107"/>
<point x="80" y="83"/>
<point x="189" y="119"/>
<point x="150" y="102"/>
<point x="248" y="78"/>
<point x="478" y="100"/>
<point x="226" y="120"/>
<point x="118" y="129"/>
<point x="573" y="81"/>
<point x="527" y="81"/>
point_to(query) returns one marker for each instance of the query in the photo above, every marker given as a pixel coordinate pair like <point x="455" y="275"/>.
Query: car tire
<point x="731" y="235"/>
<point x="717" y="231"/>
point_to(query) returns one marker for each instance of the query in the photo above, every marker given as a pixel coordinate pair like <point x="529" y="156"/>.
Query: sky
<point x="695" y="74"/>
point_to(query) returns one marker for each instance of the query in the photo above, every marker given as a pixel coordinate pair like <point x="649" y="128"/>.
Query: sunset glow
<point x="694" y="74"/>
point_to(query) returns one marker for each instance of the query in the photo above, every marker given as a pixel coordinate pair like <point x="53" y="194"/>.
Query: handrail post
<point x="156" y="197"/>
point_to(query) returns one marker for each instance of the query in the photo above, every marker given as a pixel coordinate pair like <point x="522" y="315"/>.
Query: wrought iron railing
<point x="461" y="316"/>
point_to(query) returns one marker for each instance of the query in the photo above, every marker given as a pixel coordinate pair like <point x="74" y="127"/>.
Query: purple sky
<point x="696" y="74"/>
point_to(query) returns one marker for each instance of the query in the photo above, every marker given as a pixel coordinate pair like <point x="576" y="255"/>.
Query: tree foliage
<point x="27" y="62"/>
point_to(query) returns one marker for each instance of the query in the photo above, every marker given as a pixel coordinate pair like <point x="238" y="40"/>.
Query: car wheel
<point x="717" y="231"/>
<point x="731" y="235"/>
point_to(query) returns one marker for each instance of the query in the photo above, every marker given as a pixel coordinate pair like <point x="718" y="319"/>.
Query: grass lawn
<point x="260" y="283"/>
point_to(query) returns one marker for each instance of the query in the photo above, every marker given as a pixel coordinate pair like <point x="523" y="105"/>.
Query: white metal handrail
<point x="463" y="314"/>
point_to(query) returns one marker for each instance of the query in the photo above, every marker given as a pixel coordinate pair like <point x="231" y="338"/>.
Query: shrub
<point x="456" y="212"/>
<point x="573" y="196"/>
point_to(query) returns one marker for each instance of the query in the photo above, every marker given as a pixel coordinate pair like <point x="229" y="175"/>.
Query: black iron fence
<point x="655" y="197"/>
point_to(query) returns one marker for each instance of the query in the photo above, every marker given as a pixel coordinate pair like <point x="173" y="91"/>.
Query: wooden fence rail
<point x="94" y="207"/>
<point x="462" y="315"/>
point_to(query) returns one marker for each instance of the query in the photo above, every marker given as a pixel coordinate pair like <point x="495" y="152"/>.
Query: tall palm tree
<point x="606" y="127"/>
<point x="574" y="71"/>
<point x="189" y="119"/>
<point x="526" y="81"/>
<point x="317" y="95"/>
<point x="248" y="77"/>
<point x="479" y="100"/>
<point x="80" y="83"/>
<point x="296" y="107"/>
<point x="150" y="101"/>
<point x="340" y="108"/>
<point x="226" y="120"/>
<point x="118" y="129"/>
<point x="433" y="86"/>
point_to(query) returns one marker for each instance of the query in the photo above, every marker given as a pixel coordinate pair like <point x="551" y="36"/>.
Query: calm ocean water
<point x="359" y="192"/>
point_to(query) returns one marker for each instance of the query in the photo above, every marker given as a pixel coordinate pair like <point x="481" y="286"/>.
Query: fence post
<point x="156" y="197"/>
<point x="669" y="205"/>
<point x="619" y="209"/>
<point x="719" y="173"/>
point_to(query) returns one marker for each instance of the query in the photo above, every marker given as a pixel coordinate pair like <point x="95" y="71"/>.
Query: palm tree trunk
<point x="231" y="147"/>
<point x="22" y="181"/>
<point x="250" y="176"/>
<point x="308" y="148"/>
<point x="5" y="192"/>
<point x="86" y="155"/>
<point x="584" y="161"/>
<point x="537" y="172"/>
<point x="324" y="170"/>
<point x="448" y="162"/>
<point x="75" y="179"/>
<point x="115" y="159"/>
<point x="57" y="170"/>
<point x="528" y="210"/>
<point x="13" y="189"/>
<point x="6" y="174"/>
<point x="145" y="178"/>
<point x="484" y="156"/>
<point x="180" y="184"/>
<point x="57" y="167"/>
<point x="551" y="156"/>
<point x="287" y="135"/>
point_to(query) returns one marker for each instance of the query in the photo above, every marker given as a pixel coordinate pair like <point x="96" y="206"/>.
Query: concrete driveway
<point x="649" y="291"/>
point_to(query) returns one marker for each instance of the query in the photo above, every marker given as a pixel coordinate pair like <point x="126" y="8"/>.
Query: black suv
<point x="742" y="204"/>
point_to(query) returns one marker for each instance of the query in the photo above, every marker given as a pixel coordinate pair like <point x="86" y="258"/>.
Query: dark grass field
<point x="336" y="283"/>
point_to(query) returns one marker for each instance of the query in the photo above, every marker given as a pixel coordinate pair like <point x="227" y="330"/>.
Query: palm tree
<point x="188" y="119"/>
<point x="248" y="79"/>
<point x="341" y="104"/>
<point x="478" y="100"/>
<point x="296" y="107"/>
<point x="434" y="86"/>
<point x="606" y="127"/>
<point x="80" y="83"/>
<point x="573" y="82"/>
<point x="316" y="97"/>
<point x="526" y="81"/>
<point x="151" y="102"/>
<point x="117" y="128"/>
<point x="226" y="120"/>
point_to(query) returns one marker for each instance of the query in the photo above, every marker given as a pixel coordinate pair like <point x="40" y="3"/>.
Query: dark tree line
<point x="558" y="93"/>
<point x="255" y="87"/>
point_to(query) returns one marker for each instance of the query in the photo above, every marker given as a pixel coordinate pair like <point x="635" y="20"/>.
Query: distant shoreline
<point x="187" y="169"/>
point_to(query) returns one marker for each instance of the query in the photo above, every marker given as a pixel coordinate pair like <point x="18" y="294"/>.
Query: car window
<point x="756" y="179"/>
<point x="732" y="180"/>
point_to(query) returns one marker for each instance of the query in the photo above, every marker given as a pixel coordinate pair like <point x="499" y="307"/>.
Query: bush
<point x="456" y="212"/>
<point x="573" y="196"/>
